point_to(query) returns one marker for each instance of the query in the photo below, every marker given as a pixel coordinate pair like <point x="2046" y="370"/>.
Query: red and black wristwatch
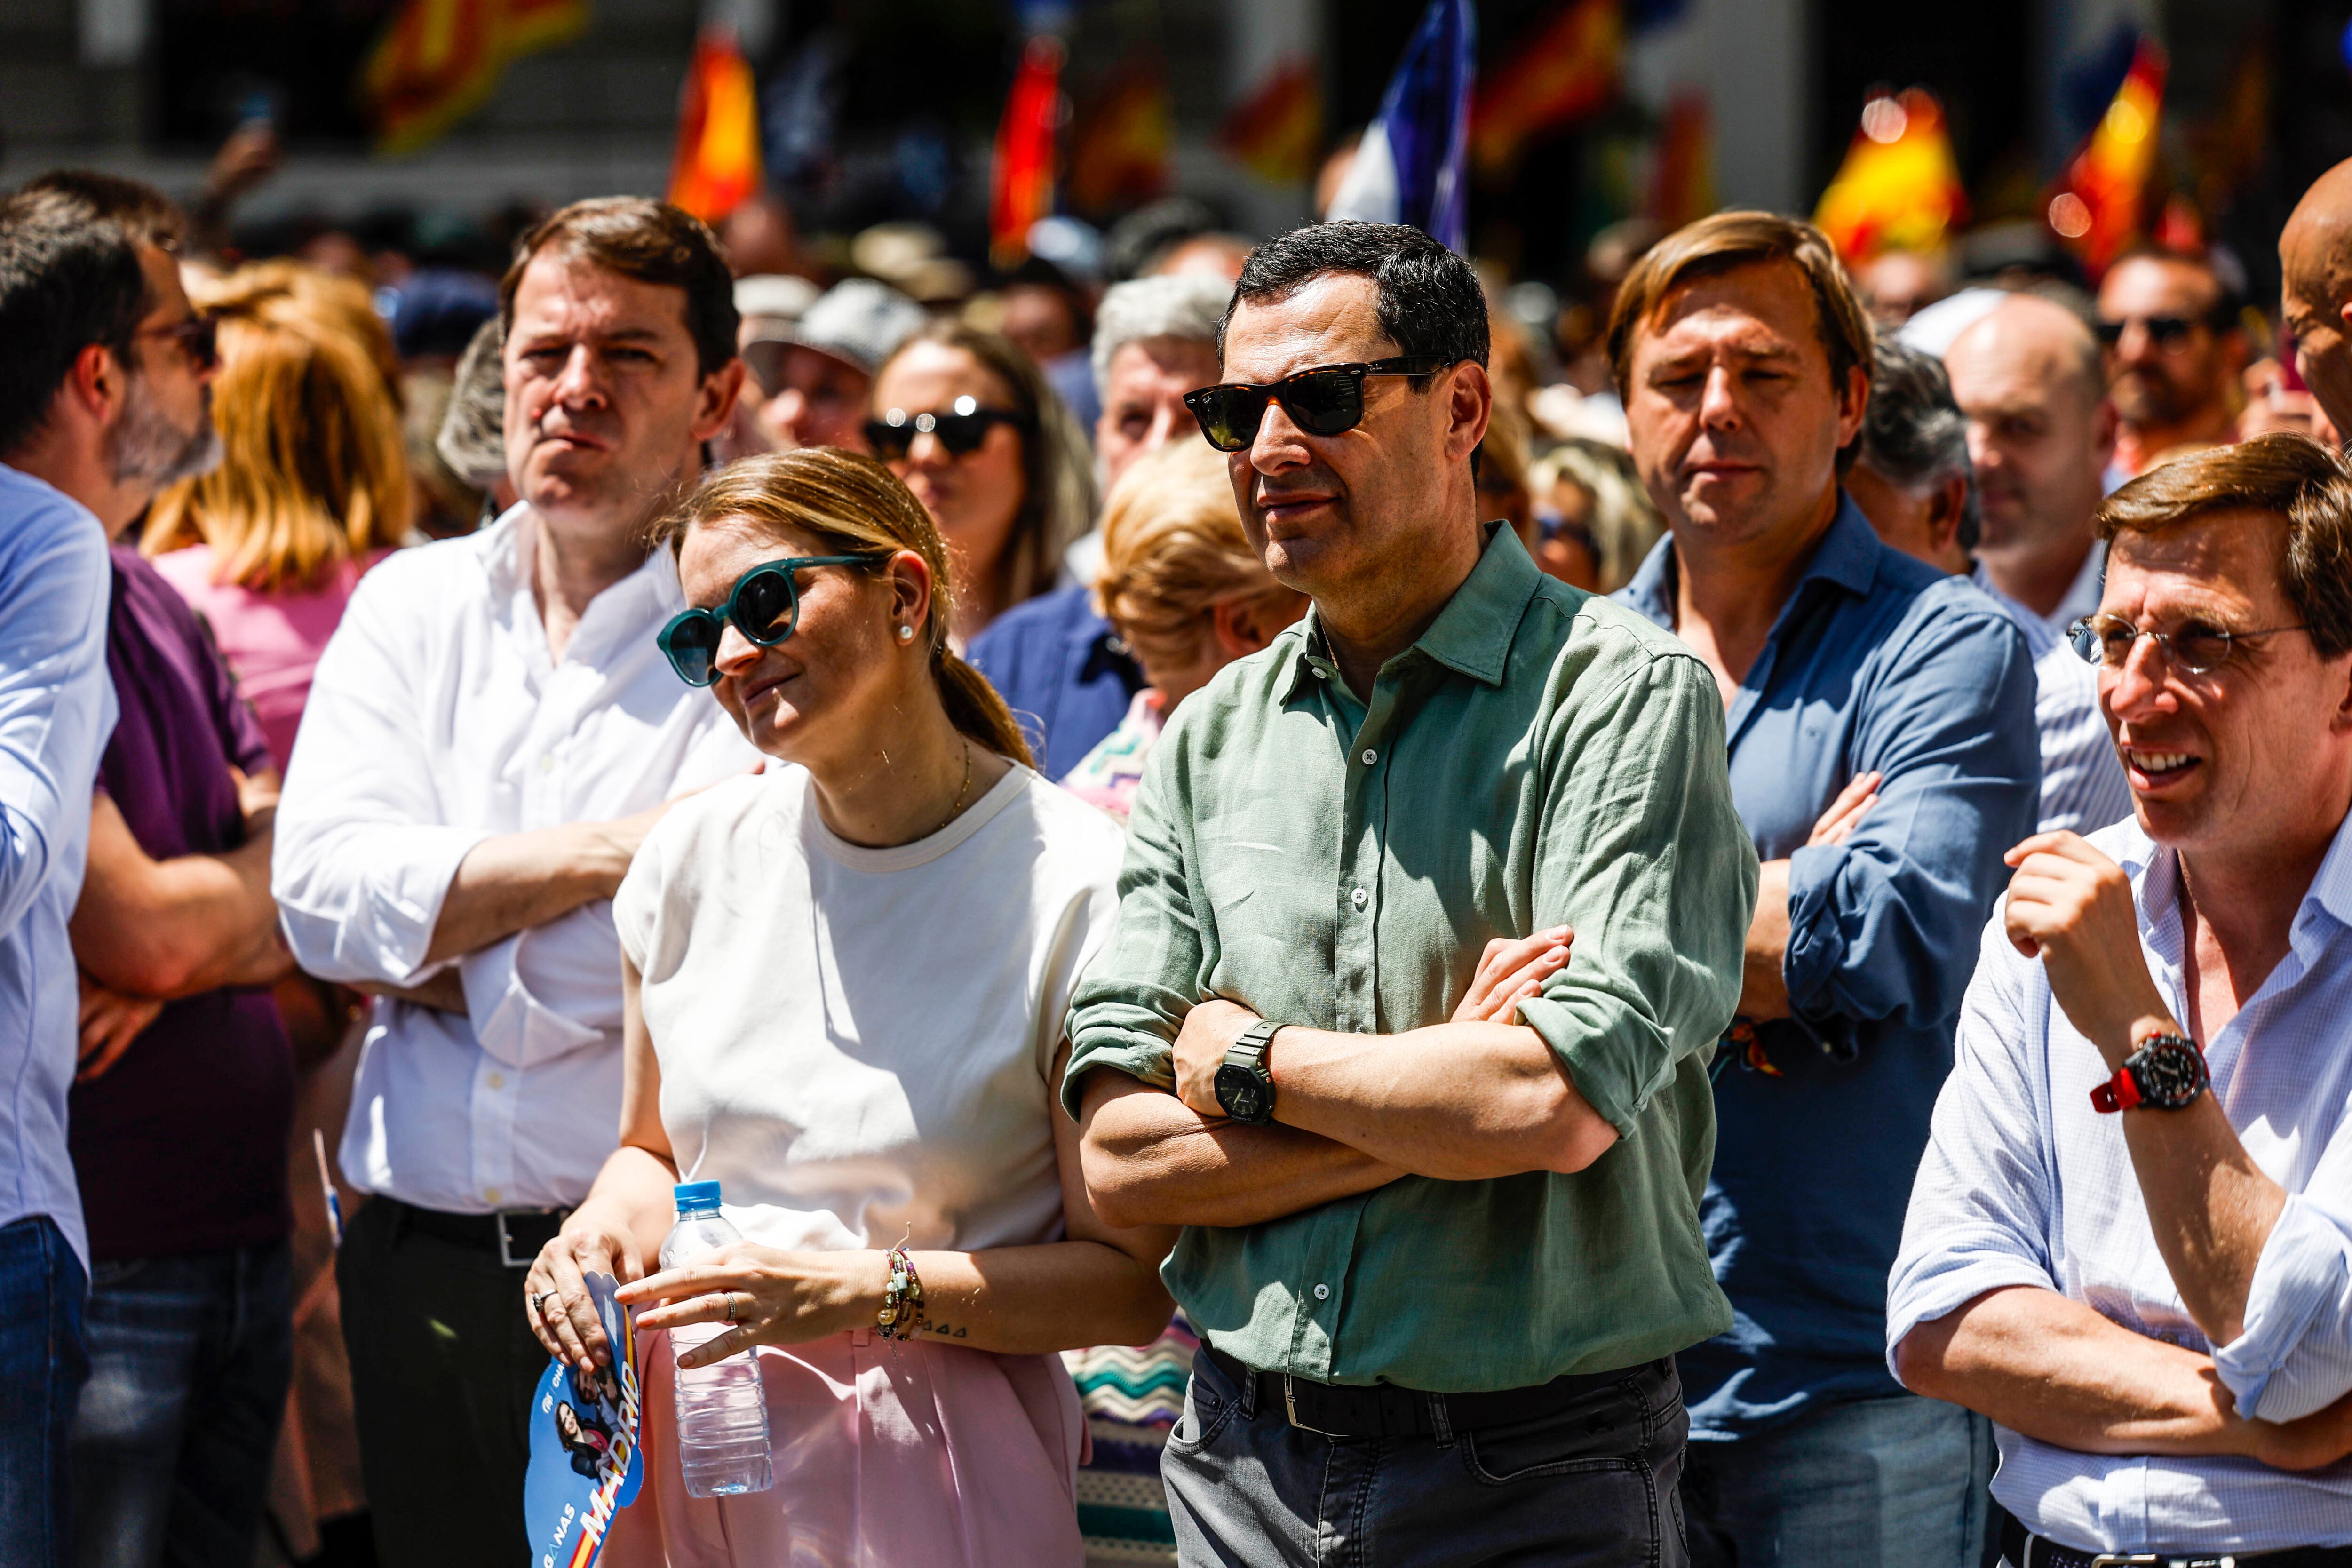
<point x="2166" y="1073"/>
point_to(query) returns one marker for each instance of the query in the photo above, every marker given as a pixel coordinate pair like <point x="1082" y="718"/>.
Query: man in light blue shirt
<point x="78" y="432"/>
<point x="2130" y="1243"/>
<point x="1883" y="756"/>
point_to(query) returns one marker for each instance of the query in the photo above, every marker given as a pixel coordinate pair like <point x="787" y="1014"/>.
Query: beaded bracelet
<point x="902" y="1316"/>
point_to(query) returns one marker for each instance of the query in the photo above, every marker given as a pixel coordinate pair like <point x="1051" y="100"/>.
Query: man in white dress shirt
<point x="491" y="733"/>
<point x="2130" y="1243"/>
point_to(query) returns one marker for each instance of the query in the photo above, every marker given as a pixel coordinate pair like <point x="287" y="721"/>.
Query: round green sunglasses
<point x="764" y="605"/>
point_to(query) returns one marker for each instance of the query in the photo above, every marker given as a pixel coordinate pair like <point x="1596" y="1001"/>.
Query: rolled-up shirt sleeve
<point x="2295" y="1355"/>
<point x="1126" y="1011"/>
<point x="1883" y="925"/>
<point x="362" y="861"/>
<point x="1643" y="854"/>
<point x="1980" y="1204"/>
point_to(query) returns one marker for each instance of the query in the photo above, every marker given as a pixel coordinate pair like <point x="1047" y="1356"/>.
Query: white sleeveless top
<point x="857" y="1041"/>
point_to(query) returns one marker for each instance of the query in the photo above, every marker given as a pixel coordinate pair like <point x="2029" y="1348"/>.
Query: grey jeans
<point x="1246" y="1489"/>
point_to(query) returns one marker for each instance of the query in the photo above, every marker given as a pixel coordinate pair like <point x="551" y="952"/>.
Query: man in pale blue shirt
<point x="2130" y="1243"/>
<point x="1882" y="755"/>
<point x="1914" y="481"/>
<point x="79" y="423"/>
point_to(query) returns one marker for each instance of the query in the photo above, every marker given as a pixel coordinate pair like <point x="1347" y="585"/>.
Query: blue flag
<point x="1413" y="163"/>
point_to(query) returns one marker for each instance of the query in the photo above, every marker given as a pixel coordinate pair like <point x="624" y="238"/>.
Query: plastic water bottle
<point x="722" y="1408"/>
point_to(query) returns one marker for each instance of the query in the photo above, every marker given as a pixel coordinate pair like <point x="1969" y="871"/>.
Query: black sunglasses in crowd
<point x="2166" y="333"/>
<point x="1324" y="400"/>
<point x="764" y="605"/>
<point x="961" y="429"/>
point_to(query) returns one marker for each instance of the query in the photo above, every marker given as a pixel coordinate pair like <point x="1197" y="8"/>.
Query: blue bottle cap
<point x="697" y="1196"/>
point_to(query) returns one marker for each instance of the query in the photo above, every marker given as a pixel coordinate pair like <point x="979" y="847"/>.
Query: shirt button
<point x="547" y="762"/>
<point x="1322" y="1292"/>
<point x="497" y="1081"/>
<point x="489" y="1194"/>
<point x="1371" y="756"/>
<point x="1359" y="898"/>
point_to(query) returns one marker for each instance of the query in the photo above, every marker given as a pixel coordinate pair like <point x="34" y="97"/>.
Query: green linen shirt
<point x="1539" y="757"/>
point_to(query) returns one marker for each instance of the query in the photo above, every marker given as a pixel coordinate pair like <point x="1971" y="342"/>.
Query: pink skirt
<point x="886" y="1455"/>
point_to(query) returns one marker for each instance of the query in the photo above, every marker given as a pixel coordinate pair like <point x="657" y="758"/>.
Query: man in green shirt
<point x="1432" y="914"/>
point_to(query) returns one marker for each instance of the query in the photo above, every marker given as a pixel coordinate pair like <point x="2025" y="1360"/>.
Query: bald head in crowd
<point x="2040" y="430"/>
<point x="2315" y="296"/>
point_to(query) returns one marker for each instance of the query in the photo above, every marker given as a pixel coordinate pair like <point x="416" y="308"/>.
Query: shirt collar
<point x="615" y="618"/>
<point x="2155" y="874"/>
<point x="1471" y="635"/>
<point x="1847" y="556"/>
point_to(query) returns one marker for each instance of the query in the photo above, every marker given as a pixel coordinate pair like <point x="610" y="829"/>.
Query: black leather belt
<point x="513" y="1236"/>
<point x="1384" y="1410"/>
<point x="2025" y="1550"/>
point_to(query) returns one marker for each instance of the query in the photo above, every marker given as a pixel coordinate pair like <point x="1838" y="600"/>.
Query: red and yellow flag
<point x="718" y="164"/>
<point x="2097" y="208"/>
<point x="1119" y="149"/>
<point x="1277" y="132"/>
<point x="1682" y="171"/>
<point x="437" y="61"/>
<point x="1560" y="72"/>
<point x="1899" y="187"/>
<point x="1021" y="184"/>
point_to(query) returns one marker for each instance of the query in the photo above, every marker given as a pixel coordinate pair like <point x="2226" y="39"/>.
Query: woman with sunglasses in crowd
<point x="969" y="423"/>
<point x="846" y="979"/>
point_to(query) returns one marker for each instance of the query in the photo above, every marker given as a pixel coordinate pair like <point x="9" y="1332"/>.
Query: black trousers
<point x="442" y="1369"/>
<point x="1589" y="1485"/>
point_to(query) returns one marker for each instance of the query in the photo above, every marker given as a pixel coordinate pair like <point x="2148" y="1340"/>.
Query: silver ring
<point x="729" y="1297"/>
<point x="539" y="1303"/>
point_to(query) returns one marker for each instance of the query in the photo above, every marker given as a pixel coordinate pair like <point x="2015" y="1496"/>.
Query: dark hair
<point x="1913" y="434"/>
<point x="1725" y="243"/>
<point x="652" y="242"/>
<point x="1058" y="498"/>
<point x="1429" y="302"/>
<point x="2289" y="477"/>
<point x="855" y="504"/>
<point x="69" y="276"/>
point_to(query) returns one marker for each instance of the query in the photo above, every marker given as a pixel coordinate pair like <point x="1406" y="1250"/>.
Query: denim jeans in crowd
<point x="1898" y="1481"/>
<point x="190" y="1358"/>
<point x="1248" y="1489"/>
<point x="42" y="1365"/>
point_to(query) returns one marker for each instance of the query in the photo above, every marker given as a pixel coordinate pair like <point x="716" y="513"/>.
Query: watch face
<point x="2169" y="1074"/>
<point x="1241" y="1093"/>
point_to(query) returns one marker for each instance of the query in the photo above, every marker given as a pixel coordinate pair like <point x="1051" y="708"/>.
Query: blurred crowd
<point x="358" y="378"/>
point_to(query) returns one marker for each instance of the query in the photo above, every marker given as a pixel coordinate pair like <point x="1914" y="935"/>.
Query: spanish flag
<point x="718" y="164"/>
<point x="2096" y="210"/>
<point x="1899" y="187"/>
<point x="1561" y="72"/>
<point x="1277" y="132"/>
<point x="1021" y="182"/>
<point x="1119" y="152"/>
<point x="437" y="61"/>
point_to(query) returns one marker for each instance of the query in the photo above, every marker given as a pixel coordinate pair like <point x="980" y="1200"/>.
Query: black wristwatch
<point x="2167" y="1073"/>
<point x="1244" y="1089"/>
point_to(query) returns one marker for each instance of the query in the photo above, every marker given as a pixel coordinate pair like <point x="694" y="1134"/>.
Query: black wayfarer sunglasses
<point x="2168" y="333"/>
<point x="764" y="605"/>
<point x="961" y="429"/>
<point x="1324" y="400"/>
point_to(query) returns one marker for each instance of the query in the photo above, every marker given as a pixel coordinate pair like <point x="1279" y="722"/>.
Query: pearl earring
<point x="905" y="633"/>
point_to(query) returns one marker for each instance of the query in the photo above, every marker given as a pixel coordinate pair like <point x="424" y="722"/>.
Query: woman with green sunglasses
<point x="845" y="982"/>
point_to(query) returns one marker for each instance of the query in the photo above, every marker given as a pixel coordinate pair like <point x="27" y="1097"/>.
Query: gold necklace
<point x="957" y="809"/>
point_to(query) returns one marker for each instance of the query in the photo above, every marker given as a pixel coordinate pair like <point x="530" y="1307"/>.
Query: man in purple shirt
<point x="177" y="1128"/>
